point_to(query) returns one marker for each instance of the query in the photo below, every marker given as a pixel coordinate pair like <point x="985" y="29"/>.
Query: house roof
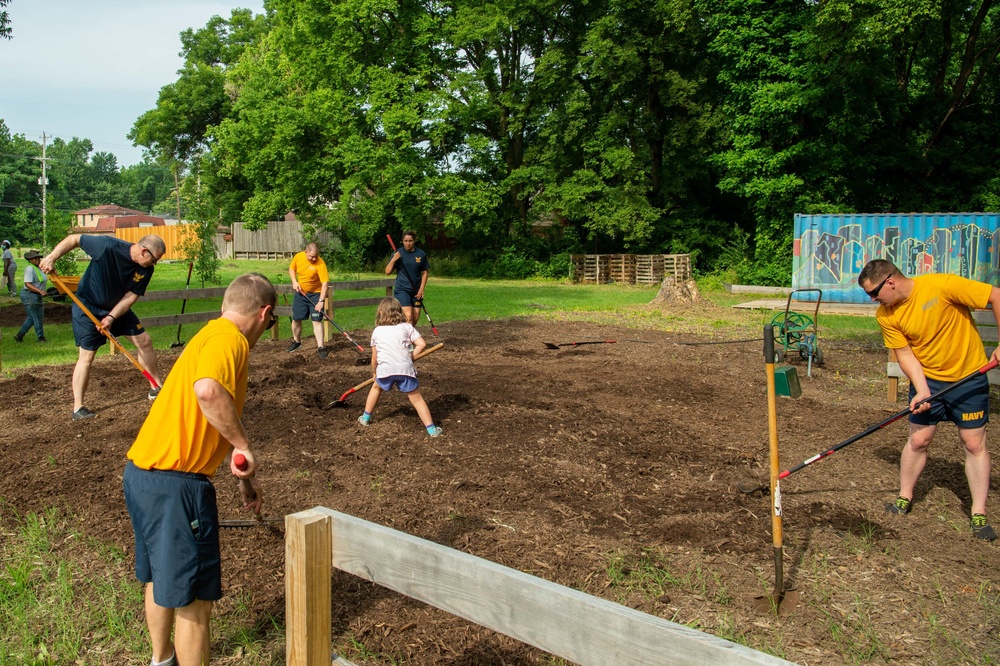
<point x="110" y="210"/>
<point x="127" y="222"/>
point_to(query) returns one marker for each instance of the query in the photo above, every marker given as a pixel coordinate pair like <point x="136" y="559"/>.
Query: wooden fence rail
<point x="570" y="624"/>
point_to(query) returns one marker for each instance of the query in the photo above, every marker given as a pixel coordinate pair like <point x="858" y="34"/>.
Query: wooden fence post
<point x="308" y="581"/>
<point x="892" y="393"/>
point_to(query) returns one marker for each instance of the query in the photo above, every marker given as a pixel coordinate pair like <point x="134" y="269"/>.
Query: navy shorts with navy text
<point x="968" y="406"/>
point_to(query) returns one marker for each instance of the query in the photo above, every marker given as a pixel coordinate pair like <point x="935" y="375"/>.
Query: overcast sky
<point x="90" y="69"/>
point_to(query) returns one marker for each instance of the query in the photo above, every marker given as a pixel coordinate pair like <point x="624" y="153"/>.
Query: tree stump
<point x="673" y="292"/>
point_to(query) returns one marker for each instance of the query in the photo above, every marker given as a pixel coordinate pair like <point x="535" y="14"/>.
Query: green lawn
<point x="448" y="300"/>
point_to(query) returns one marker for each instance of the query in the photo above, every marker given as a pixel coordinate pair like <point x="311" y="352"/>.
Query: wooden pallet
<point x="649" y="269"/>
<point x="678" y="265"/>
<point x="621" y="268"/>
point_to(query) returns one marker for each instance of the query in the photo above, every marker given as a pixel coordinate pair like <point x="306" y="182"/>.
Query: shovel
<point x="340" y="402"/>
<point x="552" y="345"/>
<point x="187" y="286"/>
<point x="878" y="426"/>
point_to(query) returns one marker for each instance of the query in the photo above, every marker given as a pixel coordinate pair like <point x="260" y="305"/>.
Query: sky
<point x="90" y="69"/>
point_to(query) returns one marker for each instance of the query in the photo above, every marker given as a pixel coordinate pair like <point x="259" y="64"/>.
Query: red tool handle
<point x="240" y="461"/>
<point x="391" y="244"/>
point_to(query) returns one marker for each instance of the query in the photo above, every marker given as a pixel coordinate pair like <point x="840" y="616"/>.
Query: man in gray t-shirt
<point x="9" y="269"/>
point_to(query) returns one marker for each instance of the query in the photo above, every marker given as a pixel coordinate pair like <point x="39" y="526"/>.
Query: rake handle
<point x="371" y="380"/>
<point x="106" y="332"/>
<point x="349" y="338"/>
<point x="892" y="419"/>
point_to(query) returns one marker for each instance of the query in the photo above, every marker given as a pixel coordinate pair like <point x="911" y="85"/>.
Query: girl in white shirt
<point x="394" y="343"/>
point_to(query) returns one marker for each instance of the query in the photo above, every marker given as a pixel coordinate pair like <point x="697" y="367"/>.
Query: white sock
<point x="167" y="662"/>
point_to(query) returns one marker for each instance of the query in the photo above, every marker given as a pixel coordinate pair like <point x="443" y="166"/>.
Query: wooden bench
<point x="987" y="325"/>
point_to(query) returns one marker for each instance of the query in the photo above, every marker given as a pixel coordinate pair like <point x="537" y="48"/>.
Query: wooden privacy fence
<point x="570" y="624"/>
<point x="173" y="235"/>
<point x="280" y="239"/>
<point x="630" y="268"/>
<point x="987" y="325"/>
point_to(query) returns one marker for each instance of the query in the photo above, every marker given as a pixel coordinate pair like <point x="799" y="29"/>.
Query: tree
<point x="6" y="31"/>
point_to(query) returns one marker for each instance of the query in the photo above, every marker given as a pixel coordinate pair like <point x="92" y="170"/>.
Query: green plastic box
<point x="786" y="382"/>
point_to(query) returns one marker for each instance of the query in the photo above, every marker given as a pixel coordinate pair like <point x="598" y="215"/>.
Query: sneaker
<point x="365" y="420"/>
<point x="981" y="528"/>
<point x="323" y="353"/>
<point x="18" y="337"/>
<point x="83" y="413"/>
<point x="434" y="431"/>
<point x="153" y="392"/>
<point x="43" y="339"/>
<point x="295" y="345"/>
<point x="900" y="506"/>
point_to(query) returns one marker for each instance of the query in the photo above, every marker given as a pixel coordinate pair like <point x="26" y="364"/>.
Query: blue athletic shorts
<point x="404" y="383"/>
<point x="175" y="519"/>
<point x="405" y="298"/>
<point x="304" y="307"/>
<point x="967" y="406"/>
<point x="88" y="337"/>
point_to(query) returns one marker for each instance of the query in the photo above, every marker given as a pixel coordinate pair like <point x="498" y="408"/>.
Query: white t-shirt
<point x="393" y="346"/>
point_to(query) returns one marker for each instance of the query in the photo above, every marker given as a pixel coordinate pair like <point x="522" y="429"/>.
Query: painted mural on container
<point x="830" y="250"/>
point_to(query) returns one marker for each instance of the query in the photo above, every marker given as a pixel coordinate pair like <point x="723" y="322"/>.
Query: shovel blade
<point x="550" y="345"/>
<point x="777" y="604"/>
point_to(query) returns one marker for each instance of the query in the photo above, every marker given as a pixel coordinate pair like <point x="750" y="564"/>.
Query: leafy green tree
<point x="6" y="31"/>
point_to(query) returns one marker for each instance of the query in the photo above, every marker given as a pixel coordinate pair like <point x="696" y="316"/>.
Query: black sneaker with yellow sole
<point x="901" y="506"/>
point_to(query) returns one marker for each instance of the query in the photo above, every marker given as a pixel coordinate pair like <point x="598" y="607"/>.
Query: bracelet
<point x="110" y="315"/>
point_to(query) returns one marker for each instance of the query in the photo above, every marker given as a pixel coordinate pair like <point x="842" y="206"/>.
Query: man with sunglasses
<point x="116" y="277"/>
<point x="927" y="321"/>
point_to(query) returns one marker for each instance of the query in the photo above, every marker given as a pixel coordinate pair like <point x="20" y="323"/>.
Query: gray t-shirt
<point x="394" y="345"/>
<point x="9" y="256"/>
<point x="35" y="276"/>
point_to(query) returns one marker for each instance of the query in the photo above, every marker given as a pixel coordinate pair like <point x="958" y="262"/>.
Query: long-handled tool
<point x="878" y="426"/>
<point x="106" y="332"/>
<point x="361" y="350"/>
<point x="552" y="345"/>
<point x="774" y="602"/>
<point x="340" y="402"/>
<point x="241" y="463"/>
<point x="418" y="303"/>
<point x="183" y="305"/>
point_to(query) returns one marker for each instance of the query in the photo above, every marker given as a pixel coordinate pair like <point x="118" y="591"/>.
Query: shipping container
<point x="830" y="250"/>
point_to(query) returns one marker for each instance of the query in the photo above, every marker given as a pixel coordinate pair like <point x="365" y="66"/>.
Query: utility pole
<point x="43" y="181"/>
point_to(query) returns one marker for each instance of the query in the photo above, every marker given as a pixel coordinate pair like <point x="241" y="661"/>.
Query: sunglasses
<point x="874" y="292"/>
<point x="151" y="255"/>
<point x="270" y="324"/>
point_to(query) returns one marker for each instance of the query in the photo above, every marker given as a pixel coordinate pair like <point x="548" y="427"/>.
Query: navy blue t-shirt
<point x="408" y="269"/>
<point x="111" y="273"/>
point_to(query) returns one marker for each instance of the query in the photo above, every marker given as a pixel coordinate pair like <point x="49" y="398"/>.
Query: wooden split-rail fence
<point x="567" y="623"/>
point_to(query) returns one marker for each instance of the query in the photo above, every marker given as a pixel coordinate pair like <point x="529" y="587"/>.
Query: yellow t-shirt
<point x="176" y="435"/>
<point x="936" y="322"/>
<point x="310" y="276"/>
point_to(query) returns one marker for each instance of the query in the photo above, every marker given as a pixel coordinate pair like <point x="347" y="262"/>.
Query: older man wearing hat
<point x="31" y="295"/>
<point x="9" y="269"/>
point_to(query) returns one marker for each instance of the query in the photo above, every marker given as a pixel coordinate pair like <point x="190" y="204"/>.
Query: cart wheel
<point x="817" y="356"/>
<point x="779" y="354"/>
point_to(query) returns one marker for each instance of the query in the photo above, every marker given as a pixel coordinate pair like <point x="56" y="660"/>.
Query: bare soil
<point x="563" y="463"/>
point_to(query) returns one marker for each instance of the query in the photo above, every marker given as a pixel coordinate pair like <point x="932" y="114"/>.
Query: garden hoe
<point x="782" y="599"/>
<point x="552" y="345"/>
<point x="107" y="333"/>
<point x="187" y="286"/>
<point x="241" y="463"/>
<point x="878" y="426"/>
<point x="341" y="401"/>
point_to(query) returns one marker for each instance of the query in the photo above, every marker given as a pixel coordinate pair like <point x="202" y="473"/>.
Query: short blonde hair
<point x="249" y="293"/>
<point x="390" y="313"/>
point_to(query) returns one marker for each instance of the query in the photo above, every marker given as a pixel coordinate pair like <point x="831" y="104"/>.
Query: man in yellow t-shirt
<point x="927" y="321"/>
<point x="192" y="427"/>
<point x="310" y="281"/>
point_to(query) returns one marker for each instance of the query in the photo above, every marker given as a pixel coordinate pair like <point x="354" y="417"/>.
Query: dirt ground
<point x="598" y="467"/>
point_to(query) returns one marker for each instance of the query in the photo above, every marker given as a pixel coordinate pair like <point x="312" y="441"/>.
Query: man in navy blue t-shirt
<point x="411" y="265"/>
<point x="117" y="276"/>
